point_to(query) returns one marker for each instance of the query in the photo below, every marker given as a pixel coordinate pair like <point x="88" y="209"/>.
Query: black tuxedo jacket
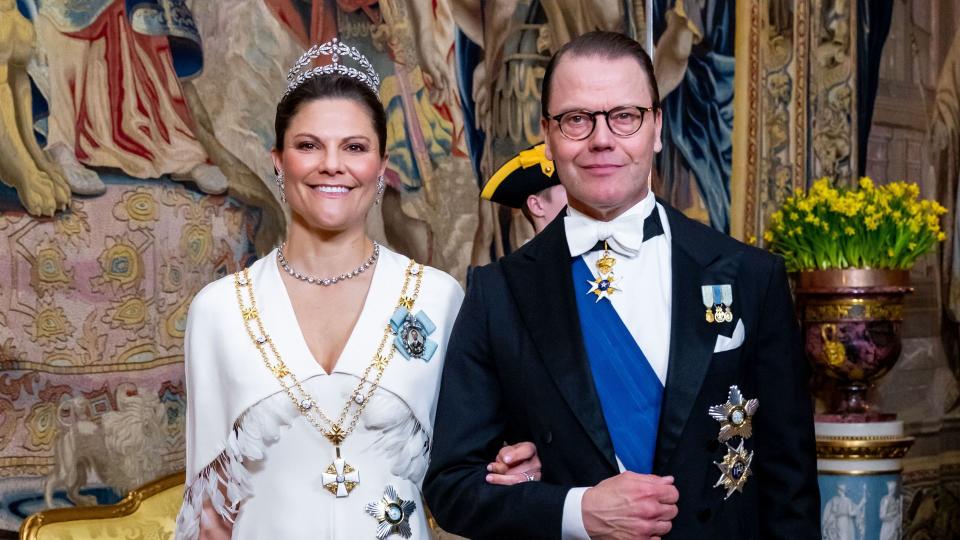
<point x="516" y="370"/>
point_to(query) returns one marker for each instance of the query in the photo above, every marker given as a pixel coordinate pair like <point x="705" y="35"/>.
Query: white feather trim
<point x="226" y="482"/>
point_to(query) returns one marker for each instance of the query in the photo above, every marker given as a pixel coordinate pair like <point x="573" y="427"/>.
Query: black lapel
<point x="539" y="277"/>
<point x="696" y="261"/>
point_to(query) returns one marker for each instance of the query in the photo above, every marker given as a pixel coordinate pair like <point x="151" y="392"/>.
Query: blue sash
<point x="630" y="392"/>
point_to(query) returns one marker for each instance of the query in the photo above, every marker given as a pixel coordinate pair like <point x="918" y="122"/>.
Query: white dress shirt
<point x="643" y="304"/>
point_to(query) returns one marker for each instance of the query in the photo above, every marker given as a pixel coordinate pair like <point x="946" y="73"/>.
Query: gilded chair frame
<point x="30" y="528"/>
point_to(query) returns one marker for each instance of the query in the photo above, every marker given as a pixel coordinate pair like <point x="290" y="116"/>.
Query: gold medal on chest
<point x="717" y="300"/>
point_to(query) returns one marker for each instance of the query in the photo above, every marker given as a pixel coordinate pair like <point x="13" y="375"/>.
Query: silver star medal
<point x="735" y="415"/>
<point x="392" y="514"/>
<point x="734" y="469"/>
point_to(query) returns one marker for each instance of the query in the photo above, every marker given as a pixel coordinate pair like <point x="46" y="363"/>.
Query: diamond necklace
<point x="340" y="477"/>
<point x="326" y="281"/>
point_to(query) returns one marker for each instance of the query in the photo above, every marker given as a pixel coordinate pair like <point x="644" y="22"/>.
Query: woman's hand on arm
<point x="515" y="464"/>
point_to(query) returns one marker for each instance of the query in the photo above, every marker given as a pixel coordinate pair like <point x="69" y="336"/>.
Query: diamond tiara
<point x="335" y="49"/>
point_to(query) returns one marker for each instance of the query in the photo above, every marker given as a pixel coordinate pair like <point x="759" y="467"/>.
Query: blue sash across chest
<point x="629" y="390"/>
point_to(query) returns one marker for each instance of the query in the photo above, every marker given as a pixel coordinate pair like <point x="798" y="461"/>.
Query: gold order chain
<point x="307" y="406"/>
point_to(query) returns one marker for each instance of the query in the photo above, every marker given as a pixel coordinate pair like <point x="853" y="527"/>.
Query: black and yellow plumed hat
<point x="527" y="173"/>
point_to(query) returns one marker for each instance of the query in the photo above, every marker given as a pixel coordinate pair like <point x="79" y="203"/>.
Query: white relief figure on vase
<point x="891" y="513"/>
<point x="843" y="519"/>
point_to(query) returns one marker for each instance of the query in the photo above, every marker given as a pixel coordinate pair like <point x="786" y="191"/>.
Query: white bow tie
<point x="623" y="235"/>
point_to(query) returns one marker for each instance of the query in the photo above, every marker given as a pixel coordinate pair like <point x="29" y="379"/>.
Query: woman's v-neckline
<point x="315" y="368"/>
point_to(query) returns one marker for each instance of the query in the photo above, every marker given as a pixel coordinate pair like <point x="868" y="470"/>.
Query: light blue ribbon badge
<point x="412" y="334"/>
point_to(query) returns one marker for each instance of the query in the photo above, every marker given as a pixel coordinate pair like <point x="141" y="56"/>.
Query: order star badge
<point x="735" y="415"/>
<point x="392" y="514"/>
<point x="602" y="286"/>
<point x="734" y="469"/>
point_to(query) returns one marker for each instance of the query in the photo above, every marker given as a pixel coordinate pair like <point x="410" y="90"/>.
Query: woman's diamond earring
<point x="283" y="194"/>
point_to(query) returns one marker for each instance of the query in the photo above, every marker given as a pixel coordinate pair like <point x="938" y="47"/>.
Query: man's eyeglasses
<point x="622" y="121"/>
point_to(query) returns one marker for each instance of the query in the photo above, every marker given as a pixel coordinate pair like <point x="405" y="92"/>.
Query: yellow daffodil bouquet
<point x="863" y="227"/>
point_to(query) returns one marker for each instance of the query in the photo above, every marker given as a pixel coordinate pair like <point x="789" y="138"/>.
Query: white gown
<point x="258" y="460"/>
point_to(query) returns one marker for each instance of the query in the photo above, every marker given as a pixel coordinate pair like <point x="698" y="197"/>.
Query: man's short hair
<point x="609" y="45"/>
